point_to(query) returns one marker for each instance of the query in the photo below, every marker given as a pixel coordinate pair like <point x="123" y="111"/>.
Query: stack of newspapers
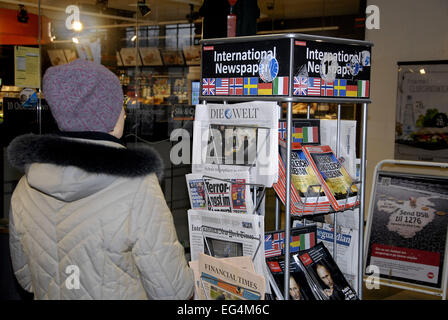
<point x="234" y="147"/>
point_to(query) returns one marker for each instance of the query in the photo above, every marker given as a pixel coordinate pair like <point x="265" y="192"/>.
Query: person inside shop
<point x="331" y="290"/>
<point x="88" y="219"/>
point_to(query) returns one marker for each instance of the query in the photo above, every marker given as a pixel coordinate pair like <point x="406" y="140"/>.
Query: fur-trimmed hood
<point x="55" y="164"/>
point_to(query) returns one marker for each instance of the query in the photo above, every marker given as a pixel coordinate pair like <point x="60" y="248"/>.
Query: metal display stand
<point x="291" y="52"/>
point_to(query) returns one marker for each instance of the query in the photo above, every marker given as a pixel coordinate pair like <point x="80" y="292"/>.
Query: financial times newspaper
<point x="223" y="235"/>
<point x="221" y="280"/>
<point x="242" y="137"/>
<point x="244" y="262"/>
<point x="223" y="192"/>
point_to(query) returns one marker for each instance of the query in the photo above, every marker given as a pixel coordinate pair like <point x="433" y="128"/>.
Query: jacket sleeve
<point x="158" y="254"/>
<point x="19" y="261"/>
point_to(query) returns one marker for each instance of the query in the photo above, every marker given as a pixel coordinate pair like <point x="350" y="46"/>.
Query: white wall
<point x="410" y="30"/>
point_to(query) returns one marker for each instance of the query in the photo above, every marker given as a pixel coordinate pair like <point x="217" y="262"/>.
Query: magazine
<point x="347" y="246"/>
<point x="301" y="238"/>
<point x="221" y="280"/>
<point x="325" y="274"/>
<point x="236" y="138"/>
<point x="223" y="235"/>
<point x="299" y="286"/>
<point x="307" y="194"/>
<point x="222" y="192"/>
<point x="335" y="180"/>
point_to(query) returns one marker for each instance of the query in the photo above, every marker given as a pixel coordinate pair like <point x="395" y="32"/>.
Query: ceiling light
<point x="77" y="26"/>
<point x="144" y="9"/>
<point x="422" y="71"/>
<point x="75" y="40"/>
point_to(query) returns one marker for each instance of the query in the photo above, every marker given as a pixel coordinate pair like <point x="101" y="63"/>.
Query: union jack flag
<point x="274" y="244"/>
<point x="208" y="87"/>
<point x="300" y="86"/>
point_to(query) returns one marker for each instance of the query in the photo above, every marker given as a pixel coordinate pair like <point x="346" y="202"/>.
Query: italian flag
<point x="280" y="86"/>
<point x="307" y="241"/>
<point x="363" y="88"/>
<point x="310" y="134"/>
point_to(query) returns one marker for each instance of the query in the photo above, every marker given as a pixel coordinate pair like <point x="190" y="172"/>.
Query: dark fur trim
<point x="91" y="157"/>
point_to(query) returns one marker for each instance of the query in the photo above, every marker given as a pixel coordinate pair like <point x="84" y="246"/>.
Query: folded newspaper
<point x="221" y="279"/>
<point x="222" y="192"/>
<point x="224" y="235"/>
<point x="241" y="137"/>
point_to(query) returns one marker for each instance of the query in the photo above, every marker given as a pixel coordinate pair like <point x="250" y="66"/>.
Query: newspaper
<point x="325" y="273"/>
<point x="223" y="235"/>
<point x="223" y="192"/>
<point x="223" y="280"/>
<point x="347" y="141"/>
<point x="244" y="262"/>
<point x="239" y="137"/>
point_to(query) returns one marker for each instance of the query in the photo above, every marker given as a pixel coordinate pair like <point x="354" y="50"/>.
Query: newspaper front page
<point x="221" y="280"/>
<point x="222" y="192"/>
<point x="223" y="235"/>
<point x="234" y="138"/>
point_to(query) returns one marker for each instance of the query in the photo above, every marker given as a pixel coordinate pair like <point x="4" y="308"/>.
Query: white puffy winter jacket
<point x="89" y="220"/>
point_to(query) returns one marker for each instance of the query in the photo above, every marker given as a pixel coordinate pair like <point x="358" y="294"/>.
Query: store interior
<point x="154" y="48"/>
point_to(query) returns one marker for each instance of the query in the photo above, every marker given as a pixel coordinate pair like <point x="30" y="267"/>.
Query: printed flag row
<point x="303" y="86"/>
<point x="244" y="86"/>
<point x="274" y="244"/>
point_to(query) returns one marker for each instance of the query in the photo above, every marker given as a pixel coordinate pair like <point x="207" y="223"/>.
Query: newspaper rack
<point x="289" y="53"/>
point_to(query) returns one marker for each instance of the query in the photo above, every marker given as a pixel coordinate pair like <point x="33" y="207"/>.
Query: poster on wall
<point x="421" y="128"/>
<point x="27" y="67"/>
<point x="407" y="228"/>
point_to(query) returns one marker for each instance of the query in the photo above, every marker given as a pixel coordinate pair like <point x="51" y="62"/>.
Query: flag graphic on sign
<point x="326" y="88"/>
<point x="363" y="88"/>
<point x="265" y="89"/>
<point x="297" y="135"/>
<point x="236" y="86"/>
<point x="282" y="131"/>
<point x="250" y="86"/>
<point x="273" y="244"/>
<point x="300" y="86"/>
<point x="314" y="86"/>
<point x="280" y="86"/>
<point x="222" y="86"/>
<point x="208" y="87"/>
<point x="352" y="90"/>
<point x="306" y="135"/>
<point x="340" y="87"/>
